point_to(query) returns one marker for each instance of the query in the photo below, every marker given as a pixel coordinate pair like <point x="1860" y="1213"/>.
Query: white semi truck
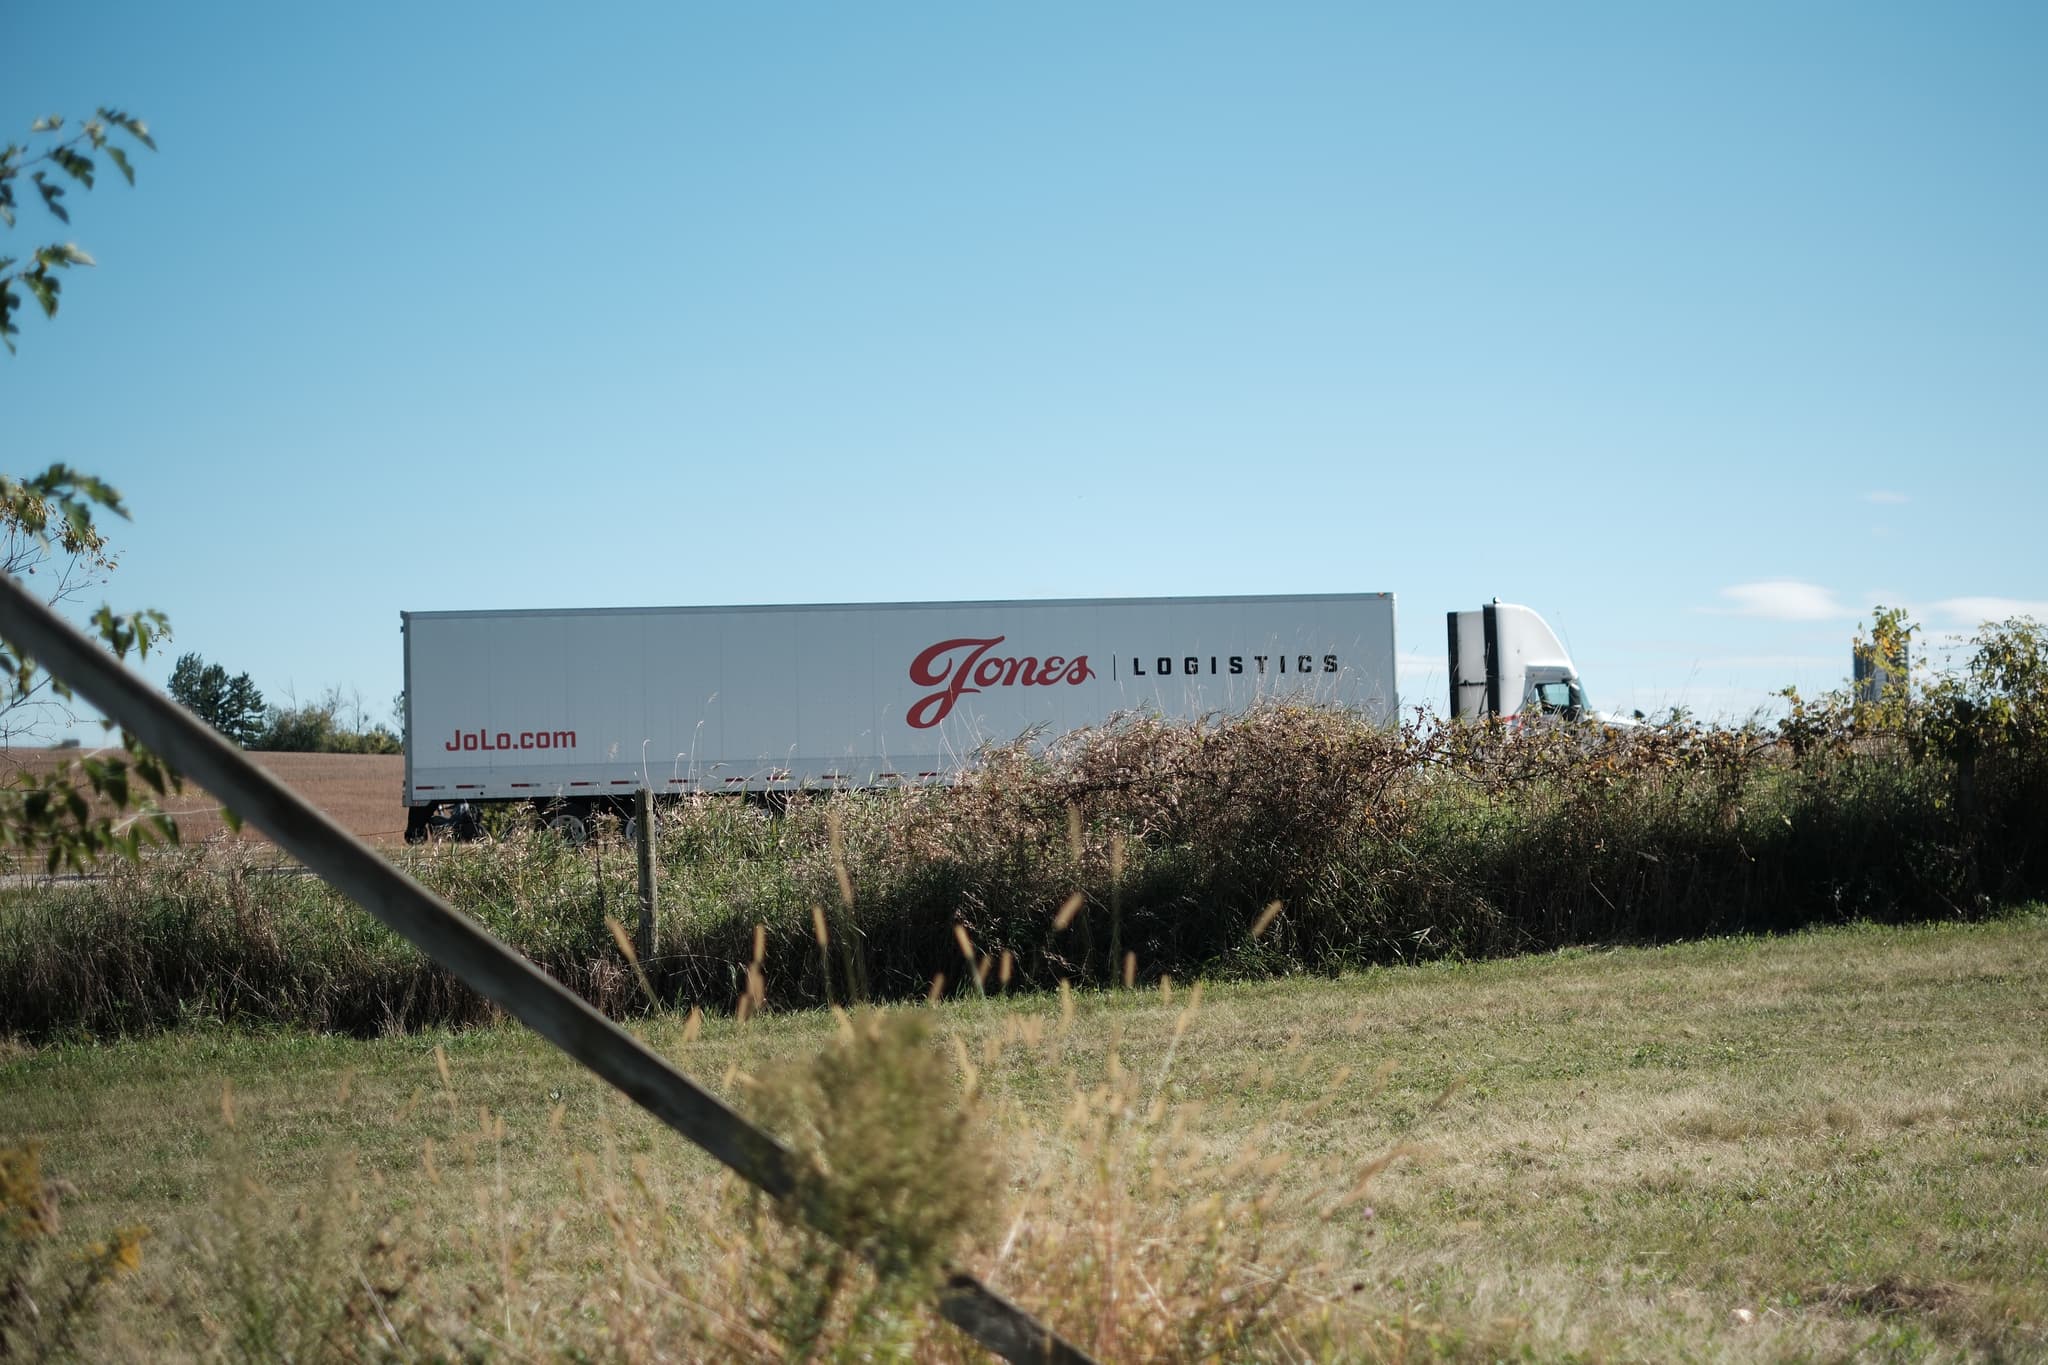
<point x="1505" y="660"/>
<point x="575" y="710"/>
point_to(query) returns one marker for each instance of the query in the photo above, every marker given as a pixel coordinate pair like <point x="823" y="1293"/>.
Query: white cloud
<point x="1974" y="611"/>
<point x="1884" y="496"/>
<point x="1782" y="599"/>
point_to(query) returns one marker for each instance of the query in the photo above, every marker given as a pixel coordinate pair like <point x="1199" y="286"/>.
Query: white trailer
<point x="574" y="710"/>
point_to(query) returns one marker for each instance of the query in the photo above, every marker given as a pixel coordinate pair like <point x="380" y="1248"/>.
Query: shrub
<point x="1146" y="845"/>
<point x="896" y="1174"/>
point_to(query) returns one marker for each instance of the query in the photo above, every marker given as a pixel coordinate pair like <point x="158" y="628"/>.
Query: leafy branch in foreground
<point x="41" y="274"/>
<point x="67" y="555"/>
<point x="78" y="812"/>
<point x="96" y="804"/>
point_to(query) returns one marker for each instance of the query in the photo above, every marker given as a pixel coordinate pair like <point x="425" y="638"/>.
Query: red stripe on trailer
<point x="468" y="786"/>
<point x="927" y="774"/>
<point x="730" y="780"/>
<point x="523" y="785"/>
<point x="426" y="789"/>
<point x="622" y="782"/>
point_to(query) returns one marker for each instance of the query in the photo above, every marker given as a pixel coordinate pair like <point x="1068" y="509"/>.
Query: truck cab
<point x="1506" y="661"/>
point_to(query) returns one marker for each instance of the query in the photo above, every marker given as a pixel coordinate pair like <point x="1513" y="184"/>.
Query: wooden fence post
<point x="645" y="934"/>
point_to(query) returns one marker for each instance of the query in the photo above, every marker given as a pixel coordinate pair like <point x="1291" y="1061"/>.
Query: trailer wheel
<point x="568" y="826"/>
<point x="418" y="820"/>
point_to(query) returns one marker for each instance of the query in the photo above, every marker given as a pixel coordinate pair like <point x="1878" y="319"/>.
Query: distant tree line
<point x="333" y="724"/>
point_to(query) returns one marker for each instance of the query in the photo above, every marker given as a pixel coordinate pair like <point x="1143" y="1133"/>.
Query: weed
<point x="46" y="1300"/>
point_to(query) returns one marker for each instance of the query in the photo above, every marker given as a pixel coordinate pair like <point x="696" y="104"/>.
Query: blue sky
<point x="1701" y="330"/>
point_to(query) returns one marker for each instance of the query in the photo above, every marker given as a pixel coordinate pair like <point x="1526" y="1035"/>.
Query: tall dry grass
<point x="1140" y="847"/>
<point x="1105" y="1218"/>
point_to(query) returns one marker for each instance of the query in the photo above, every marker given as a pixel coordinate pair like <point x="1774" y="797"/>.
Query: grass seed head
<point x="1266" y="918"/>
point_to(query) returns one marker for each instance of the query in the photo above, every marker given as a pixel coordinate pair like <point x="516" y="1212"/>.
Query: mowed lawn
<point x="1832" y="1145"/>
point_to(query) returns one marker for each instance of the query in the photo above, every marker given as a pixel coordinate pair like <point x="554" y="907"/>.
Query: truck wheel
<point x="417" y="821"/>
<point x="630" y="829"/>
<point x="569" y="827"/>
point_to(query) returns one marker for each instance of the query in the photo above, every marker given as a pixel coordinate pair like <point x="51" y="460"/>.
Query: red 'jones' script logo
<point x="957" y="667"/>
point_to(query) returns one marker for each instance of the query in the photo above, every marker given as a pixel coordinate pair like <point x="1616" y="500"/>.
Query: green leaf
<point x="73" y="164"/>
<point x="45" y="287"/>
<point x="120" y="159"/>
<point x="49" y="123"/>
<point x="51" y="194"/>
<point x="135" y="127"/>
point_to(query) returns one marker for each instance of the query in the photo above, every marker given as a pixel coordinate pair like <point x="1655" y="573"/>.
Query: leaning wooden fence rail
<point x="461" y="945"/>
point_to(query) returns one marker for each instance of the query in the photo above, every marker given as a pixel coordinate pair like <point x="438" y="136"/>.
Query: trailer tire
<point x="568" y="825"/>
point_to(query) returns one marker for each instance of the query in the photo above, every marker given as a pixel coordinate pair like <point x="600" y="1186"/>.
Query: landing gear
<point x="462" y="822"/>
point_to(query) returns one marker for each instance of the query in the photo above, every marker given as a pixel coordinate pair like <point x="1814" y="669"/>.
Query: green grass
<point x="1828" y="1145"/>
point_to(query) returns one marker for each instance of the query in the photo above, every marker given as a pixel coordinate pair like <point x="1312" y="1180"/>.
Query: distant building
<point x="1876" y="671"/>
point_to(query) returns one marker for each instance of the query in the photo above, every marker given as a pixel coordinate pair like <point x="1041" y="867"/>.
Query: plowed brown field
<point x="361" y="791"/>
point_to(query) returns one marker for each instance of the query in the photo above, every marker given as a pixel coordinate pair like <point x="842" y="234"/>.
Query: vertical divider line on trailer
<point x="464" y="947"/>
